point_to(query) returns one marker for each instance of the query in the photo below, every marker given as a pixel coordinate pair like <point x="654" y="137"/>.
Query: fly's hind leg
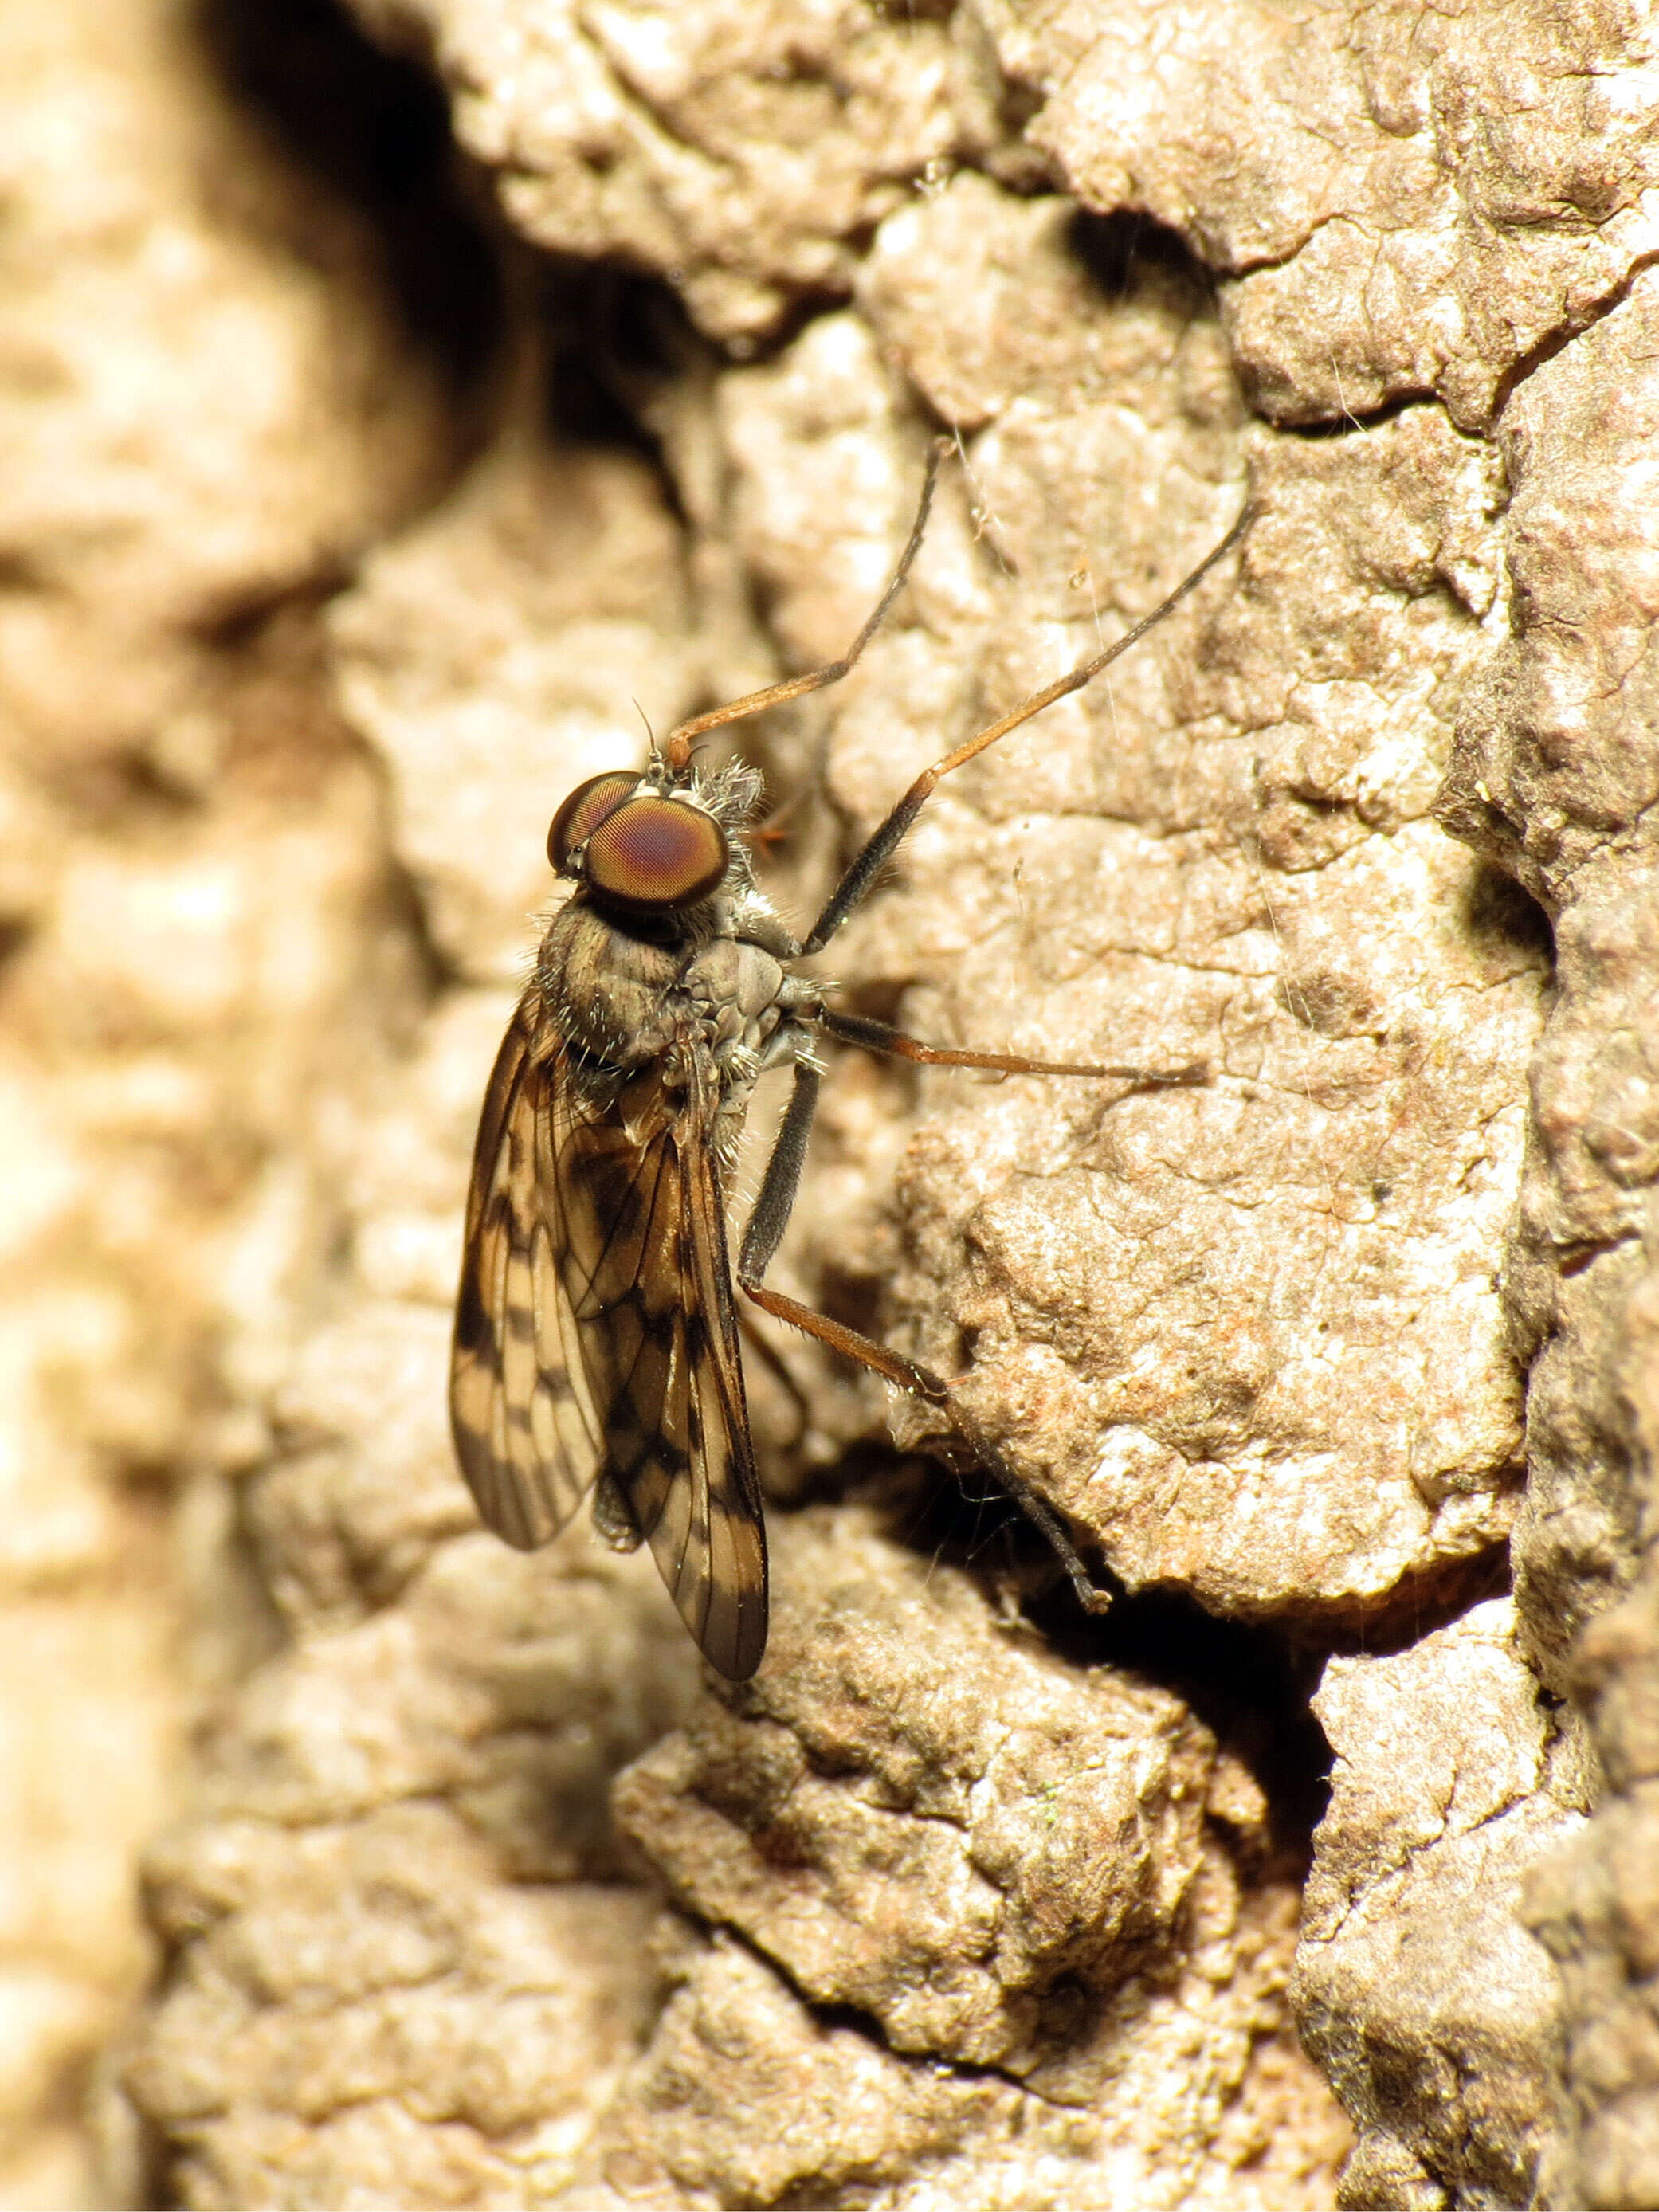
<point x="778" y="1367"/>
<point x="761" y="1240"/>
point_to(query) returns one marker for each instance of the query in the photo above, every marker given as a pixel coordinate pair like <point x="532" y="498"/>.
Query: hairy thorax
<point x="623" y="998"/>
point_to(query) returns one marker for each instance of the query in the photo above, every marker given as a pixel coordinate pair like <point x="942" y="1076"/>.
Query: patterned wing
<point x="520" y="1409"/>
<point x="653" y="1309"/>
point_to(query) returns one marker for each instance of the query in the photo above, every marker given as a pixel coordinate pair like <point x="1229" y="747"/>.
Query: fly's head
<point x="657" y="849"/>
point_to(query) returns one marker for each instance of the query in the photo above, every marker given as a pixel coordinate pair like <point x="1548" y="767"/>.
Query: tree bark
<point x="1320" y="1867"/>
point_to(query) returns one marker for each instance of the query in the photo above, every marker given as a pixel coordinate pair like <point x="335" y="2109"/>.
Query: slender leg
<point x="781" y="1181"/>
<point x="676" y="747"/>
<point x="777" y="1367"/>
<point x="856" y="884"/>
<point x="761" y="1240"/>
<point x="877" y="1037"/>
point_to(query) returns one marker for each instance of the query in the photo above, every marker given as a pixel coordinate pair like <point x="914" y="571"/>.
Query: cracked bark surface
<point x="474" y="1894"/>
<point x="1555" y="771"/>
<point x="1418" y="1989"/>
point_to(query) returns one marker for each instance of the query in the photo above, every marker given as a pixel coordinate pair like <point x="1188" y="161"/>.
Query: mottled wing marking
<point x="521" y="1411"/>
<point x="595" y="1328"/>
<point x="659" y="1333"/>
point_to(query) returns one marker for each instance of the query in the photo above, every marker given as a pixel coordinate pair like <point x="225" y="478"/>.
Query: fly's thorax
<point x="737" y="992"/>
<point x="732" y="981"/>
<point x="608" y="989"/>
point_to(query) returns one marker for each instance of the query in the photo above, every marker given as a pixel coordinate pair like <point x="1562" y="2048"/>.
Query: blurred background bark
<point x="403" y="400"/>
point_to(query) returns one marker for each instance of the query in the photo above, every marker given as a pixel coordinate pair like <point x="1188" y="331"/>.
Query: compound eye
<point x="586" y="807"/>
<point x="656" y="851"/>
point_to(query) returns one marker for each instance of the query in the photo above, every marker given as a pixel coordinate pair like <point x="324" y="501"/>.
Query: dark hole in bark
<point x="1124" y="250"/>
<point x="610" y="339"/>
<point x="371" y="130"/>
<point x="1249" y="1682"/>
<point x="1499" y="910"/>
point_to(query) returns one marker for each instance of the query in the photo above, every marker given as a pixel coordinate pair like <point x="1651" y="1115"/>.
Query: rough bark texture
<point x="367" y="495"/>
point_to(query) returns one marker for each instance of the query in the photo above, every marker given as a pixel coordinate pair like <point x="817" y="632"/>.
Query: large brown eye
<point x="656" y="852"/>
<point x="585" y="808"/>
